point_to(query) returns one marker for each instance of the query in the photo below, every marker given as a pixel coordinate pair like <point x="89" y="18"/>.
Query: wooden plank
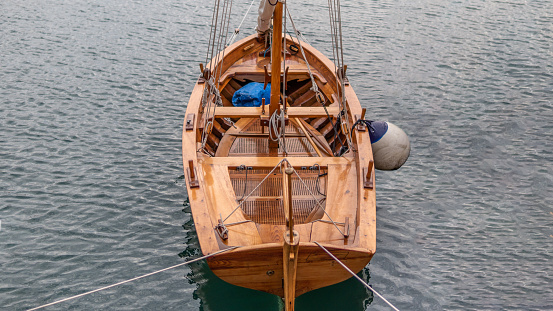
<point x="293" y="112"/>
<point x="274" y="233"/>
<point x="341" y="202"/>
<point x="304" y="98"/>
<point x="365" y="237"/>
<point x="329" y="127"/>
<point x="235" y="85"/>
<point x="218" y="130"/>
<point x="318" y="122"/>
<point x="226" y="94"/>
<point x="311" y="262"/>
<point x="236" y="52"/>
<point x="226" y="102"/>
<point x="318" y="137"/>
<point x="327" y="90"/>
<point x="221" y="201"/>
<point x="308" y="135"/>
<point x="301" y="90"/>
<point x="255" y="73"/>
<point x="270" y="162"/>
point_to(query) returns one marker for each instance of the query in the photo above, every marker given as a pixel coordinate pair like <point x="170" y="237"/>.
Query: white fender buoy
<point x="390" y="145"/>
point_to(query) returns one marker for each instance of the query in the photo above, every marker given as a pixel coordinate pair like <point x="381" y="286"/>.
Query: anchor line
<point x="133" y="279"/>
<point x="355" y="275"/>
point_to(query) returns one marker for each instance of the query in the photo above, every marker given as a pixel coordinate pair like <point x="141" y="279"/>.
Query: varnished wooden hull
<point x="314" y="270"/>
<point x="214" y="181"/>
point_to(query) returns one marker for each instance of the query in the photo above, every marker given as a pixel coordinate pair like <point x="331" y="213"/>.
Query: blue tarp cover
<point x="250" y="95"/>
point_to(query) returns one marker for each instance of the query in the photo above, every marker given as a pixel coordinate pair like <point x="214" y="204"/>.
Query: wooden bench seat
<point x="254" y="72"/>
<point x="293" y="112"/>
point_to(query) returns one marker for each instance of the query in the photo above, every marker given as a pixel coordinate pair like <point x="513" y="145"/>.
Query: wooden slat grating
<point x="295" y="146"/>
<point x="255" y="127"/>
<point x="264" y="205"/>
<point x="271" y="211"/>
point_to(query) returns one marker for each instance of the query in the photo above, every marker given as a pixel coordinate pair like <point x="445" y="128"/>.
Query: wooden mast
<point x="276" y="52"/>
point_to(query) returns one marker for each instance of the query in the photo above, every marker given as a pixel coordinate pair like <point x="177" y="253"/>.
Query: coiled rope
<point x="277" y="129"/>
<point x="356" y="276"/>
<point x="133" y="279"/>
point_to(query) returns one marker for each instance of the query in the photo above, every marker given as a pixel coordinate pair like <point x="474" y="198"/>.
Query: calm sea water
<point x="93" y="94"/>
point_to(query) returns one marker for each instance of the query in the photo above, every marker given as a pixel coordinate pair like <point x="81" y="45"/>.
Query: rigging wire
<point x="211" y="98"/>
<point x="218" y="42"/>
<point x="338" y="55"/>
<point x="314" y="86"/>
<point x="237" y="30"/>
<point x="223" y="34"/>
<point x="211" y="31"/>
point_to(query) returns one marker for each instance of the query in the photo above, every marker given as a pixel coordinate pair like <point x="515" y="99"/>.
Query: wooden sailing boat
<point x="273" y="180"/>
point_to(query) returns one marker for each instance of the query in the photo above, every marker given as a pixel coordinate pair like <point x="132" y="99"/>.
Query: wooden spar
<point x="290" y="265"/>
<point x="308" y="136"/>
<point x="291" y="242"/>
<point x="287" y="196"/>
<point x="276" y="51"/>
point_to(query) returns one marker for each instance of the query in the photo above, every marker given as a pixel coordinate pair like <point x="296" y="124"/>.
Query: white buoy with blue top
<point x="390" y="145"/>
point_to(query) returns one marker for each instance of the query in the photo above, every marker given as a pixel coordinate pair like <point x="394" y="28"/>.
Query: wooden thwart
<point x="293" y="112"/>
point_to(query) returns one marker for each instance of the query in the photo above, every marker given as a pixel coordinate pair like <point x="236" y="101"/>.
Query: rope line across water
<point x="355" y="275"/>
<point x="133" y="279"/>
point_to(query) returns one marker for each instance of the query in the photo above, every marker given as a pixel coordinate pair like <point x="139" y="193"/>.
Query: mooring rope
<point x="133" y="279"/>
<point x="356" y="276"/>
